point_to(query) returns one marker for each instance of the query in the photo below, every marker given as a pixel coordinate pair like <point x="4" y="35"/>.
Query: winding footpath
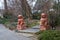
<point x="6" y="34"/>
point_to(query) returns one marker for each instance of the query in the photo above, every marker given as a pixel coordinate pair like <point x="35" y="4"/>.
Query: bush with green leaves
<point x="11" y="26"/>
<point x="49" y="35"/>
<point x="54" y="19"/>
<point x="32" y="23"/>
<point x="56" y="13"/>
<point x="9" y="20"/>
<point x="36" y="15"/>
<point x="7" y="15"/>
<point x="3" y="20"/>
<point x="10" y="16"/>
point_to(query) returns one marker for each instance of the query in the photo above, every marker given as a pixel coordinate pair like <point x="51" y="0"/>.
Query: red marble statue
<point x="21" y="24"/>
<point x="44" y="21"/>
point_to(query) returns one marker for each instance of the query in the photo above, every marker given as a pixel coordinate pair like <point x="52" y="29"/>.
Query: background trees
<point x="31" y="9"/>
<point x="27" y="7"/>
<point x="18" y="7"/>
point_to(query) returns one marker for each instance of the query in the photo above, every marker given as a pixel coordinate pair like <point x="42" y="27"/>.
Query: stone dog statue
<point x="44" y="21"/>
<point x="21" y="24"/>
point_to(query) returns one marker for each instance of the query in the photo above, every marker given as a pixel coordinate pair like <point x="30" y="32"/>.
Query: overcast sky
<point x="1" y="4"/>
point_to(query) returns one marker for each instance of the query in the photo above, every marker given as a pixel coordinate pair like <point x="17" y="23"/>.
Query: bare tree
<point x="18" y="7"/>
<point x="14" y="6"/>
<point x="5" y="5"/>
<point x="43" y="5"/>
<point x="26" y="8"/>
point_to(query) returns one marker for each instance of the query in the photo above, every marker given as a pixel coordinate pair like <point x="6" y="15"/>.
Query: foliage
<point x="7" y="15"/>
<point x="10" y="16"/>
<point x="49" y="35"/>
<point x="8" y="23"/>
<point x="54" y="15"/>
<point x="36" y="15"/>
<point x="56" y="6"/>
<point x="32" y="23"/>
<point x="54" y="19"/>
<point x="9" y="20"/>
<point x="3" y="20"/>
<point x="11" y="26"/>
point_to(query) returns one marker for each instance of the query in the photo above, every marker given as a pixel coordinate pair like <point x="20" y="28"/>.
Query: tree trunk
<point x="5" y="5"/>
<point x="26" y="8"/>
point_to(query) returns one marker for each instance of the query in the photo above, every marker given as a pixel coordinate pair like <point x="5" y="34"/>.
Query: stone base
<point x="30" y="30"/>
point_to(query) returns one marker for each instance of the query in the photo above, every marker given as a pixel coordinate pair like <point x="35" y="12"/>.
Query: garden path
<point x="6" y="34"/>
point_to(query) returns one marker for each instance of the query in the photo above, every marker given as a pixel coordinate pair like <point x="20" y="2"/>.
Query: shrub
<point x="54" y="19"/>
<point x="3" y="20"/>
<point x="49" y="35"/>
<point x="9" y="20"/>
<point x="11" y="26"/>
<point x="31" y="23"/>
<point x="36" y="16"/>
<point x="8" y="15"/>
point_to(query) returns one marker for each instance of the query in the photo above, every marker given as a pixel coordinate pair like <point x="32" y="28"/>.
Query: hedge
<point x="49" y="35"/>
